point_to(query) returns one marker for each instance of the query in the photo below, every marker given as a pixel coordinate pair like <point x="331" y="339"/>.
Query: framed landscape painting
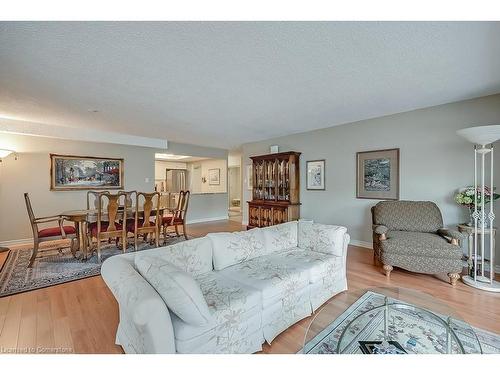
<point x="315" y="177"/>
<point x="378" y="174"/>
<point x="85" y="173"/>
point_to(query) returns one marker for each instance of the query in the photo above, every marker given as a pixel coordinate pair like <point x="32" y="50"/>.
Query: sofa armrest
<point x="145" y="324"/>
<point x="347" y="239"/>
<point x="450" y="233"/>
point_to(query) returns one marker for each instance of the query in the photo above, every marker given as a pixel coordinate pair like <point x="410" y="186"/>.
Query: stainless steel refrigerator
<point x="176" y="180"/>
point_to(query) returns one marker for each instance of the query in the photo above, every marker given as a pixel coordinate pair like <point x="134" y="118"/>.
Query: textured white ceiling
<point x="222" y="84"/>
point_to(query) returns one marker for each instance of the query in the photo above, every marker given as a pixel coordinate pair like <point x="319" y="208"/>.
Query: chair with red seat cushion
<point x="49" y="234"/>
<point x="56" y="231"/>
<point x="112" y="210"/>
<point x="171" y="220"/>
<point x="147" y="205"/>
<point x="104" y="227"/>
<point x="131" y="225"/>
<point x="177" y="217"/>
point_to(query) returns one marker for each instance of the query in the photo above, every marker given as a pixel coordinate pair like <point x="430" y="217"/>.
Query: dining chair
<point x="147" y="206"/>
<point x="93" y="198"/>
<point x="130" y="196"/>
<point x="177" y="217"/>
<point x="110" y="219"/>
<point x="60" y="232"/>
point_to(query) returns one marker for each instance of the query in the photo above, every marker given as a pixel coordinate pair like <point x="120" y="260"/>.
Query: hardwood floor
<point x="82" y="316"/>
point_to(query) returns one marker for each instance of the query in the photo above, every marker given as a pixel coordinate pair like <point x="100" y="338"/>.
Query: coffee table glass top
<point x="388" y="321"/>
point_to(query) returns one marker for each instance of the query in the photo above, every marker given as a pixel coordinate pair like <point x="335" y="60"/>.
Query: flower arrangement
<point x="465" y="196"/>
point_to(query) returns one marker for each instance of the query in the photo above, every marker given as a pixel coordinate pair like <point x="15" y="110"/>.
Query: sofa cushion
<point x="328" y="239"/>
<point x="317" y="264"/>
<point x="420" y="244"/>
<point x="280" y="237"/>
<point x="178" y="289"/>
<point x="269" y="274"/>
<point x="192" y="256"/>
<point x="234" y="248"/>
<point x="231" y="305"/>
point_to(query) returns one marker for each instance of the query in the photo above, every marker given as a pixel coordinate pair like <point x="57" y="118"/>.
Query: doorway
<point x="234" y="187"/>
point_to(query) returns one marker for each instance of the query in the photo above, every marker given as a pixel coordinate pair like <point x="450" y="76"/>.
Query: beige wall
<point x="435" y="161"/>
<point x="204" y="166"/>
<point x="30" y="173"/>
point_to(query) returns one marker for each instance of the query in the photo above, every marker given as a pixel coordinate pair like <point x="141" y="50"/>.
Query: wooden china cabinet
<point x="275" y="191"/>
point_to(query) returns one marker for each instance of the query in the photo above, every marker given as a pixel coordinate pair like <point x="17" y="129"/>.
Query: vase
<point x="471" y="217"/>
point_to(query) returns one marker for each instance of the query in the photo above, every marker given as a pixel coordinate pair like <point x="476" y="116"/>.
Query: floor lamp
<point x="483" y="138"/>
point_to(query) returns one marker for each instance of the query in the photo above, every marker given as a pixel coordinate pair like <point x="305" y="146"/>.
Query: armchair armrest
<point x="48" y="219"/>
<point x="381" y="230"/>
<point x="450" y="233"/>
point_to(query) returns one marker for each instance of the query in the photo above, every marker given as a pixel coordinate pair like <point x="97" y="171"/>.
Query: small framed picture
<point x="214" y="176"/>
<point x="378" y="174"/>
<point x="315" y="175"/>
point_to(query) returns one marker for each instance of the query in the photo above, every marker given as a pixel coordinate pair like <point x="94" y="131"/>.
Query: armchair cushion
<point x="56" y="231"/>
<point x="451" y="233"/>
<point x="420" y="244"/>
<point x="412" y="216"/>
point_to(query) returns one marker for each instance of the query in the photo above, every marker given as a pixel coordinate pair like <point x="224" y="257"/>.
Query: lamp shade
<point x="481" y="135"/>
<point x="4" y="153"/>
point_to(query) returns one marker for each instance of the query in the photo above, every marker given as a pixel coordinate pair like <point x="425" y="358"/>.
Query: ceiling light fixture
<point x="4" y="153"/>
<point x="171" y="157"/>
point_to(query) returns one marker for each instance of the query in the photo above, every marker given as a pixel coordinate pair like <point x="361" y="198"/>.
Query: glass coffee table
<point x="388" y="321"/>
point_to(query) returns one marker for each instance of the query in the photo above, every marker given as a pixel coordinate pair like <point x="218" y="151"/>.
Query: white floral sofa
<point x="238" y="289"/>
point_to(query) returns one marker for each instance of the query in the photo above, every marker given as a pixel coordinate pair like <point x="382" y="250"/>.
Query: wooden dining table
<point x="82" y="218"/>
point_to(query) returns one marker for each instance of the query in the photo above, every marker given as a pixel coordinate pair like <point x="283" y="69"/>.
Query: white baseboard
<point x="364" y="244"/>
<point x="207" y="219"/>
<point x="16" y="242"/>
<point x="9" y="243"/>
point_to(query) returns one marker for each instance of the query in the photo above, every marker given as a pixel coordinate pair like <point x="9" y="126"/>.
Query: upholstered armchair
<point x="410" y="235"/>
